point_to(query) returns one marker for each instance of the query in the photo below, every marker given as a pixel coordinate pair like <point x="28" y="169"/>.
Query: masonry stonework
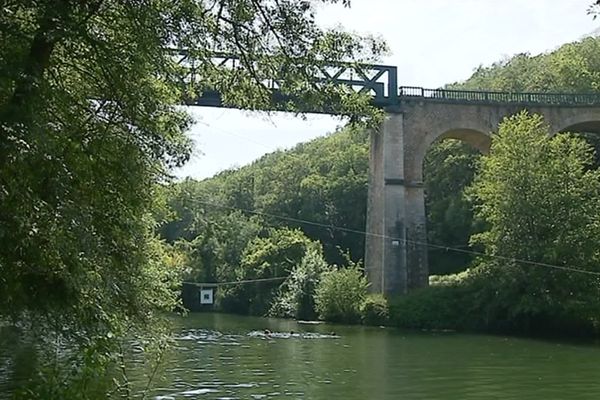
<point x="396" y="241"/>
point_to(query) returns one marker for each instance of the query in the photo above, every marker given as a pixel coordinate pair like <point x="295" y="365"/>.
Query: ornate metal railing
<point x="491" y="97"/>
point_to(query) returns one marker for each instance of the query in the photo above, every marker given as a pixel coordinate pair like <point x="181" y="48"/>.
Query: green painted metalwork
<point x="408" y="93"/>
<point x="381" y="82"/>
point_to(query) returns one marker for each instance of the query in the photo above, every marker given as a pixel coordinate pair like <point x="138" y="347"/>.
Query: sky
<point x="432" y="42"/>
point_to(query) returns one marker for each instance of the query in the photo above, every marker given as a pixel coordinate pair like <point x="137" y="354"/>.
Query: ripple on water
<point x="241" y="385"/>
<point x="290" y="335"/>
<point x="194" y="392"/>
<point x="261" y="365"/>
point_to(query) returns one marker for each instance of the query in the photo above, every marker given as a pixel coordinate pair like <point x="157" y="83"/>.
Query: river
<point x="219" y="356"/>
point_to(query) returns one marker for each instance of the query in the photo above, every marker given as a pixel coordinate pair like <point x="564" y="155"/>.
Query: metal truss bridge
<point x="381" y="83"/>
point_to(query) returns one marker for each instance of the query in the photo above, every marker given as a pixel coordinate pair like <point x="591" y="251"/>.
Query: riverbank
<point x="454" y="303"/>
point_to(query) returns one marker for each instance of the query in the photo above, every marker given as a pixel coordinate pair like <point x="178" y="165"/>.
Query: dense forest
<point x="259" y="221"/>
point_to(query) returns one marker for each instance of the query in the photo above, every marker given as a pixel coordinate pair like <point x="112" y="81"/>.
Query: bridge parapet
<point x="411" y="93"/>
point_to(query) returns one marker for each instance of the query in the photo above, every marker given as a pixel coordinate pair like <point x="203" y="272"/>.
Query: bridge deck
<point x="381" y="83"/>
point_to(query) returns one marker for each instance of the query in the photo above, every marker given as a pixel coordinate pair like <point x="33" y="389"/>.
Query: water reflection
<point x="229" y="357"/>
<point x="219" y="356"/>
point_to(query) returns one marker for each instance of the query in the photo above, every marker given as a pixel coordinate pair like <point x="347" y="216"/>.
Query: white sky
<point x="432" y="42"/>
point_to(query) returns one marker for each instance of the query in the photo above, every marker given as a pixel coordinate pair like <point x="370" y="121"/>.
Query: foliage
<point x="375" y="310"/>
<point x="539" y="199"/>
<point x="572" y="68"/>
<point x="295" y="297"/>
<point x="449" y="167"/>
<point x="436" y="307"/>
<point x="450" y="302"/>
<point x="340" y="294"/>
<point x="218" y="248"/>
<point x="542" y="204"/>
<point x="323" y="181"/>
<point x="265" y="257"/>
<point x="89" y="125"/>
<point x="449" y="280"/>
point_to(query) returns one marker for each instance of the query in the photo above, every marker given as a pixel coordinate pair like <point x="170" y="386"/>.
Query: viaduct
<point x="396" y="240"/>
<point x="396" y="244"/>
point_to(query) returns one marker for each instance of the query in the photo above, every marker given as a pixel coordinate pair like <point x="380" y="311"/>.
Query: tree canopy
<point x="541" y="201"/>
<point x="90" y="123"/>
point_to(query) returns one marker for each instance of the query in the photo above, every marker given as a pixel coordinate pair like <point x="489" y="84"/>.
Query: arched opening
<point x="473" y="138"/>
<point x="448" y="168"/>
<point x="587" y="128"/>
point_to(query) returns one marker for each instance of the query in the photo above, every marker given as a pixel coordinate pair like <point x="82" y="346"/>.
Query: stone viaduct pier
<point x="396" y="243"/>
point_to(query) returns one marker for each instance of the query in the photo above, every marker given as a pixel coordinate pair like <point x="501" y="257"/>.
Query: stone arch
<point x="472" y="135"/>
<point x="475" y="138"/>
<point x="586" y="121"/>
<point x="480" y="141"/>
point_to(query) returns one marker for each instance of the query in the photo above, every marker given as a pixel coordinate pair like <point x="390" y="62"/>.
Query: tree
<point x="542" y="203"/>
<point x="323" y="182"/>
<point x="296" y="296"/>
<point x="572" y="68"/>
<point x="89" y="124"/>
<point x="273" y="255"/>
<point x="449" y="167"/>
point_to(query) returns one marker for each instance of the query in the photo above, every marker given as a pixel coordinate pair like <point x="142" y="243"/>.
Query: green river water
<point x="218" y="356"/>
<point x="229" y="357"/>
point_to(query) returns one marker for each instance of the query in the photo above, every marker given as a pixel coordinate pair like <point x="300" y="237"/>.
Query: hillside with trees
<point x="259" y="221"/>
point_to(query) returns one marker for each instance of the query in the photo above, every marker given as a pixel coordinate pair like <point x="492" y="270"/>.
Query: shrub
<point x="340" y="295"/>
<point x="459" y="278"/>
<point x="272" y="256"/>
<point x="450" y="302"/>
<point x="375" y="310"/>
<point x="434" y="307"/>
<point x="295" y="298"/>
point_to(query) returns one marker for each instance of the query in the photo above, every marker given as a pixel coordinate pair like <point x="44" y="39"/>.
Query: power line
<point x="405" y="241"/>
<point x="279" y="278"/>
<point x="235" y="135"/>
<point x="383" y="236"/>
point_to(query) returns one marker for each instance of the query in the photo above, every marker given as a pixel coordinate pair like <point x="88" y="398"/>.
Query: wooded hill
<point x="288" y="199"/>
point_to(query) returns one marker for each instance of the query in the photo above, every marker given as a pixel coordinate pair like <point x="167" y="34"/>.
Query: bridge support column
<point x="396" y="251"/>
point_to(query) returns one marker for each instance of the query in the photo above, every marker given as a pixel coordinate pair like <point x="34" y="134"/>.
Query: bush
<point x="375" y="310"/>
<point x="434" y="307"/>
<point x="295" y="298"/>
<point x="272" y="256"/>
<point x="459" y="278"/>
<point x="450" y="302"/>
<point x="340" y="295"/>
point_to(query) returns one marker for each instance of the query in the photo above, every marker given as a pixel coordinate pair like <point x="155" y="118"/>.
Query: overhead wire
<point x="230" y="283"/>
<point x="383" y="236"/>
<point x="403" y="240"/>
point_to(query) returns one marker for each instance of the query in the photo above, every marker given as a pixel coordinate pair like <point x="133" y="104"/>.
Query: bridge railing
<point x="378" y="81"/>
<point x="477" y="96"/>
